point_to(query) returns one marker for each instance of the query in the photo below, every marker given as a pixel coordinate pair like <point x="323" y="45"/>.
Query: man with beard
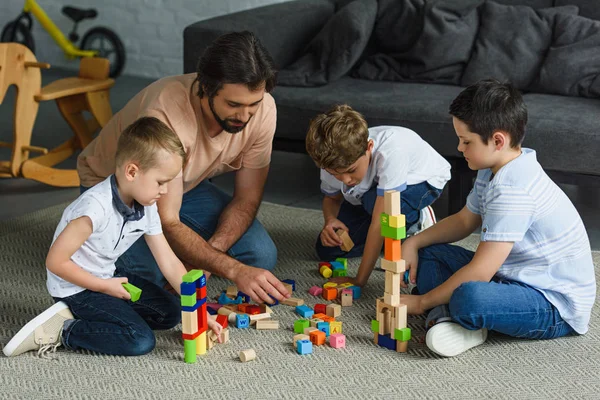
<point x="225" y="118"/>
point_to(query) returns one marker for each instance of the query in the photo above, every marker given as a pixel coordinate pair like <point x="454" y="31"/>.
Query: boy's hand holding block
<point x="134" y="291"/>
<point x="347" y="243"/>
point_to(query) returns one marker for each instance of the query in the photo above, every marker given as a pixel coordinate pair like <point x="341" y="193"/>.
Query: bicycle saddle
<point x="78" y="14"/>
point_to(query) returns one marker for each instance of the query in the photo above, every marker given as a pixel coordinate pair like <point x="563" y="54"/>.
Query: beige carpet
<point x="502" y="368"/>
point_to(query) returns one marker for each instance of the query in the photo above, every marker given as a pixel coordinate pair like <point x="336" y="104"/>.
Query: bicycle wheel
<point x="108" y="45"/>
<point x="17" y="31"/>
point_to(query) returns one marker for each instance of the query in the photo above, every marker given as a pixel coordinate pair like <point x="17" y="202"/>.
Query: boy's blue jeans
<point x="200" y="210"/>
<point x="358" y="218"/>
<point x="508" y="307"/>
<point x="108" y="325"/>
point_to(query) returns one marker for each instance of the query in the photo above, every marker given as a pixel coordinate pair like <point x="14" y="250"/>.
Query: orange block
<point x="330" y="293"/>
<point x="317" y="337"/>
<point x="392" y="250"/>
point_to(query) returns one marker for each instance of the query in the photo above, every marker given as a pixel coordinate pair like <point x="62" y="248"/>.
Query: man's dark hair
<point x="236" y="57"/>
<point x="489" y="106"/>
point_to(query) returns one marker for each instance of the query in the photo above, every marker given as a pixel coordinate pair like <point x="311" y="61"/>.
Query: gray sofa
<point x="565" y="131"/>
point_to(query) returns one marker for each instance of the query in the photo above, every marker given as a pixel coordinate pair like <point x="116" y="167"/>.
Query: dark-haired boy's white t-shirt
<point x="111" y="235"/>
<point x="400" y="158"/>
<point x="551" y="252"/>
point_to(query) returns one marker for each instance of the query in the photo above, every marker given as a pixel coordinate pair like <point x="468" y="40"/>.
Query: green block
<point x="339" y="272"/>
<point x="134" y="291"/>
<point x="188" y="300"/>
<point x="343" y="261"/>
<point x="375" y="325"/>
<point x="393" y="233"/>
<point x="193" y="275"/>
<point x="300" y="325"/>
<point x="402" y="335"/>
<point x="189" y="351"/>
<point x="384" y="219"/>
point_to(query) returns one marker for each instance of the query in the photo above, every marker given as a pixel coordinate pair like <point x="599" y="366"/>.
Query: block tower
<point x="390" y="328"/>
<point x="193" y="314"/>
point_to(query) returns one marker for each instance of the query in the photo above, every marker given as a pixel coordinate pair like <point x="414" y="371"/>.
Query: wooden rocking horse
<point x="87" y="92"/>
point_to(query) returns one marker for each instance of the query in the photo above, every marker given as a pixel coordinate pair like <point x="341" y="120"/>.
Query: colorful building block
<point x="335" y="327"/>
<point x="325" y="271"/>
<point x="201" y="344"/>
<point x="317" y="337"/>
<point x="337" y="265"/>
<point x="315" y="290"/>
<point x="344" y="261"/>
<point x="189" y="351"/>
<point x="320" y="308"/>
<point x="188" y="288"/>
<point x="223" y="321"/>
<point x="300" y="337"/>
<point x="397" y="221"/>
<point x="291" y="282"/>
<point x="300" y="325"/>
<point x="242" y="321"/>
<point x="329" y="285"/>
<point x="393" y="233"/>
<point x="305" y="311"/>
<point x="387" y="342"/>
<point x="402" y="335"/>
<point x="193" y="276"/>
<point x="199" y="303"/>
<point x="339" y="272"/>
<point x="304" y="347"/>
<point x="188" y="300"/>
<point x="337" y="341"/>
<point x="356" y="292"/>
<point x="392" y="250"/>
<point x="375" y="325"/>
<point x="330" y="293"/>
<point x="324" y="327"/>
<point x="244" y="296"/>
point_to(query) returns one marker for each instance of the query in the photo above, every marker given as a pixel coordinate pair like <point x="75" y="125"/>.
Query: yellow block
<point x="201" y="344"/>
<point x="335" y="327"/>
<point x="397" y="221"/>
<point x="329" y="284"/>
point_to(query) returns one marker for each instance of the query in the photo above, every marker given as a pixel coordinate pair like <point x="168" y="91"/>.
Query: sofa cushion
<point x="511" y="43"/>
<point x="333" y="52"/>
<point x="587" y="8"/>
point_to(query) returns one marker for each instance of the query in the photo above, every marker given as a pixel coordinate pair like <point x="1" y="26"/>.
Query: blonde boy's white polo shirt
<point x="111" y="235"/>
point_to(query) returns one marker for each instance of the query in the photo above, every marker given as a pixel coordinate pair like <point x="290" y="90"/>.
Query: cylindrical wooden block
<point x="247" y="355"/>
<point x="189" y="351"/>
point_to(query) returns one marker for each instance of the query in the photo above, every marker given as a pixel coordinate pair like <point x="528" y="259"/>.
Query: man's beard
<point x="225" y="123"/>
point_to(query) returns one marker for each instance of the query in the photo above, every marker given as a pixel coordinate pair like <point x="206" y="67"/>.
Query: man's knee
<point x="265" y="254"/>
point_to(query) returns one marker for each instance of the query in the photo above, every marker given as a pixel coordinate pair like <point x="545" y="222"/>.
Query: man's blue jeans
<point x="200" y="210"/>
<point x="504" y="306"/>
<point x="358" y="218"/>
<point x="109" y="325"/>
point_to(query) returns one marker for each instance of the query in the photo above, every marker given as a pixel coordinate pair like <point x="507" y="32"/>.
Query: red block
<point x="191" y="337"/>
<point x="252" y="310"/>
<point x="202" y="319"/>
<point x="201" y="293"/>
<point x="320" y="308"/>
<point x="222" y="320"/>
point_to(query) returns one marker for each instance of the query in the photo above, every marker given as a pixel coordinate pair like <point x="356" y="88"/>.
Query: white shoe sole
<point x="31" y="326"/>
<point x="449" y="339"/>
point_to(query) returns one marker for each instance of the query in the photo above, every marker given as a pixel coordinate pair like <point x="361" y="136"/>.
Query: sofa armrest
<point x="283" y="28"/>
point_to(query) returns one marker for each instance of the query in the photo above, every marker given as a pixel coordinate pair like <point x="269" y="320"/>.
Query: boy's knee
<point x="172" y="313"/>
<point x="466" y="304"/>
<point x="143" y="342"/>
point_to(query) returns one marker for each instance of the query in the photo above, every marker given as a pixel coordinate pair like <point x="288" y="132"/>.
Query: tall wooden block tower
<point x="390" y="328"/>
<point x="193" y="314"/>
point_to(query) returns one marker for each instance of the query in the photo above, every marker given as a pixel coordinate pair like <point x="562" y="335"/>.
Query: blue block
<point x="323" y="327"/>
<point x="188" y="288"/>
<point x="275" y="301"/>
<point x="387" y="342"/>
<point x="211" y="311"/>
<point x="304" y="347"/>
<point x="355" y="292"/>
<point x="305" y="311"/>
<point x="291" y="282"/>
<point x="244" y="296"/>
<point x="337" y="265"/>
<point x="242" y="321"/>
<point x="196" y="306"/>
<point x="406" y="275"/>
<point x="200" y="283"/>
<point x="223" y="299"/>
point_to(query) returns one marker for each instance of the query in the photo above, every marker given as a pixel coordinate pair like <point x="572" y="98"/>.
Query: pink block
<point x="315" y="290"/>
<point x="348" y="292"/>
<point x="337" y="340"/>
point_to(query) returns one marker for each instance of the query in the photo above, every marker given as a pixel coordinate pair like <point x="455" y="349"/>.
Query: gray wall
<point x="152" y="30"/>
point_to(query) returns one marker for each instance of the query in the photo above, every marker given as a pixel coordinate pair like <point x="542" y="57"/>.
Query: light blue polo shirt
<point x="551" y="252"/>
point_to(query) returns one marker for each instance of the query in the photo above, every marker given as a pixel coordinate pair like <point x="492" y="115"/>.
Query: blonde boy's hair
<point x="336" y="139"/>
<point x="140" y="141"/>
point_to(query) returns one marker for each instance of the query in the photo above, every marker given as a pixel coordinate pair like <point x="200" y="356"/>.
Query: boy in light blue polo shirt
<point x="532" y="275"/>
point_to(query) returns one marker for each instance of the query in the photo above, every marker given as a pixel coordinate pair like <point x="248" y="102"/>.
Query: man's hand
<point x="410" y="254"/>
<point x="259" y="284"/>
<point x="113" y="287"/>
<point x="328" y="236"/>
<point x="414" y="303"/>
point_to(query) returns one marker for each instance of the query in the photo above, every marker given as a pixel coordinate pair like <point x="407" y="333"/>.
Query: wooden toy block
<point x="384" y="219"/>
<point x="304" y="347"/>
<point x="356" y="292"/>
<point x="225" y="336"/>
<point x="232" y="292"/>
<point x="387" y="342"/>
<point x="385" y="321"/>
<point x="300" y="325"/>
<point x="375" y="326"/>
<point x="333" y="310"/>
<point x="397" y="267"/>
<point x="324" y="327"/>
<point x="222" y="320"/>
<point x="231" y="315"/>
<point x="291" y="282"/>
<point x="259" y="317"/>
<point x="242" y="321"/>
<point x="392" y="282"/>
<point x="335" y="327"/>
<point x="337" y="341"/>
<point x="191" y="337"/>
<point x="308" y="330"/>
<point x="325" y="271"/>
<point x="402" y="335"/>
<point x="347" y="243"/>
<point x="392" y="249"/>
<point x="330" y="293"/>
<point x="293" y="301"/>
<point x="267" y="324"/>
<point x="339" y="272"/>
<point x="327" y="318"/>
<point x="189" y="300"/>
<point x="305" y="311"/>
<point x="211" y="340"/>
<point x="337" y="265"/>
<point x="315" y="290"/>
<point x="289" y="288"/>
<point x="400" y="317"/>
<point x="201" y="293"/>
<point x="265" y="309"/>
<point x="314" y="322"/>
<point x="187" y="288"/>
<point x="193" y="275"/>
<point x="343" y="260"/>
<point x="346" y="285"/>
<point x="253" y="309"/>
<point x="397" y="221"/>
<point x="247" y="355"/>
<point x="346" y="299"/>
<point x="134" y="291"/>
<point x="329" y="285"/>
<point x="317" y="337"/>
<point x="391" y="202"/>
<point x="300" y="337"/>
<point x="189" y="322"/>
<point x="393" y="233"/>
<point x="393" y="299"/>
<point x="189" y="351"/>
<point x="401" y="347"/>
<point x="320" y="308"/>
<point x="376" y="338"/>
<point x="201" y="344"/>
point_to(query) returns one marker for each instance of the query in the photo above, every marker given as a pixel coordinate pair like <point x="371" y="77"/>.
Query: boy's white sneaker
<point x="43" y="333"/>
<point x="426" y="219"/>
<point x="449" y="339"/>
